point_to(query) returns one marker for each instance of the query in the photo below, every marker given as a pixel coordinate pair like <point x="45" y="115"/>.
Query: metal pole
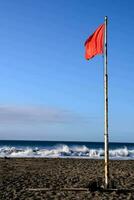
<point x="106" y="109"/>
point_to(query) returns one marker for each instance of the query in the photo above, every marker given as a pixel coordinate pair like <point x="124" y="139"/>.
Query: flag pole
<point x="106" y="109"/>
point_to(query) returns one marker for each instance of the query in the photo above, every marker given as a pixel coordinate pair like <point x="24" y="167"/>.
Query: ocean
<point x="56" y="149"/>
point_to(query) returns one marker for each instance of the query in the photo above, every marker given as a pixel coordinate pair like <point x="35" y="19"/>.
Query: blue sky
<point x="48" y="90"/>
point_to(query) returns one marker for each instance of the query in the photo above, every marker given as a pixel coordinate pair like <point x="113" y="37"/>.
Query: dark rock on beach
<point x="59" y="179"/>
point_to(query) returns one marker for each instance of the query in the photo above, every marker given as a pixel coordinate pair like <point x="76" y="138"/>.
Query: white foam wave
<point x="66" y="151"/>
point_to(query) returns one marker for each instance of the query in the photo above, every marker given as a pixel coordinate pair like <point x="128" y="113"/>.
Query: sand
<point x="18" y="175"/>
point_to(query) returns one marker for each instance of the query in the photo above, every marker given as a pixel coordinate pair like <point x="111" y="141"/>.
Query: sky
<point x="48" y="91"/>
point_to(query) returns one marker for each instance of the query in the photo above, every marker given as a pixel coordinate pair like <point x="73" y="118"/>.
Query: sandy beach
<point x="18" y="175"/>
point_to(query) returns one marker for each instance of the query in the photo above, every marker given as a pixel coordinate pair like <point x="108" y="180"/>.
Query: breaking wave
<point x="66" y="151"/>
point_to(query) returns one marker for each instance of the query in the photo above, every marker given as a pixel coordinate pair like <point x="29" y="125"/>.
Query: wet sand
<point x="17" y="175"/>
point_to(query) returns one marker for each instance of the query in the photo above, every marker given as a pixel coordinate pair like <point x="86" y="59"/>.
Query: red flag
<point x="94" y="44"/>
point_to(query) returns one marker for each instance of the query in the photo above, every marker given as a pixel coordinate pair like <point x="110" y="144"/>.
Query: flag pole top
<point x="106" y="17"/>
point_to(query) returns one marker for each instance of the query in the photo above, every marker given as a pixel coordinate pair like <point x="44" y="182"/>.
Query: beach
<point x="19" y="175"/>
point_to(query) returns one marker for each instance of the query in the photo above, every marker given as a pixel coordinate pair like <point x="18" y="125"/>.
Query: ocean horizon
<point x="65" y="149"/>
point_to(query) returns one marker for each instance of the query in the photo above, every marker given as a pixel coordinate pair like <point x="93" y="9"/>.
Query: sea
<point x="64" y="149"/>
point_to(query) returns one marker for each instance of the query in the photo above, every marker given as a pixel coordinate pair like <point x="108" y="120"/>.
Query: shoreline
<point x="68" y="157"/>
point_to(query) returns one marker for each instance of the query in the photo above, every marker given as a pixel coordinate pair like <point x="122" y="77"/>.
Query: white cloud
<point x="35" y="114"/>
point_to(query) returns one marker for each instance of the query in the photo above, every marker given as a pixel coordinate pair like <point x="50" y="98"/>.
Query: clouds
<point x="45" y="123"/>
<point x="35" y="114"/>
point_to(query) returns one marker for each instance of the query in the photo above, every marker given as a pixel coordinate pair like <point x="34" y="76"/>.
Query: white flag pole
<point x="106" y="108"/>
